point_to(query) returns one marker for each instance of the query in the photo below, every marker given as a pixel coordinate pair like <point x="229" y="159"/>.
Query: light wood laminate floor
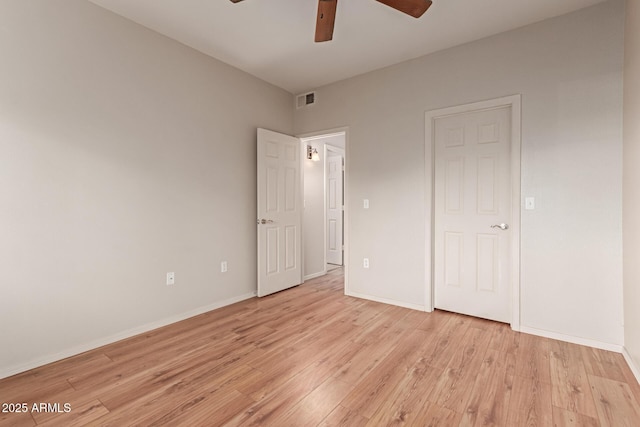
<point x="311" y="356"/>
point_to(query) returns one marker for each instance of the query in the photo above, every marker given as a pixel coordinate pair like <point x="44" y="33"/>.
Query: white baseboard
<point x="386" y="300"/>
<point x="632" y="364"/>
<point x="574" y="340"/>
<point x="50" y="358"/>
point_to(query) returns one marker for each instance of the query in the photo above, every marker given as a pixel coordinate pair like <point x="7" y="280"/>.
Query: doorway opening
<point x="324" y="225"/>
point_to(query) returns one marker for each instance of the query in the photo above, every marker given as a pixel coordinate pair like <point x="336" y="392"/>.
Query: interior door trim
<point x="514" y="102"/>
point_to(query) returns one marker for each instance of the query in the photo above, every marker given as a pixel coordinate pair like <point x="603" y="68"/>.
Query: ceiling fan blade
<point x="326" y="20"/>
<point x="414" y="8"/>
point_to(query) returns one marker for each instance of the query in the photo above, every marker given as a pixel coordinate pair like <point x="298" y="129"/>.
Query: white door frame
<point x="514" y="102"/>
<point x="304" y="138"/>
<point x="330" y="148"/>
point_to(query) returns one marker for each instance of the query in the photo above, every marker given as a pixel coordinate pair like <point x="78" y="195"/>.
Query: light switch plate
<point x="530" y="203"/>
<point x="365" y="204"/>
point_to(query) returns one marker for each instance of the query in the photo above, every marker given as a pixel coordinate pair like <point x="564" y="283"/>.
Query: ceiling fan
<point x="327" y="13"/>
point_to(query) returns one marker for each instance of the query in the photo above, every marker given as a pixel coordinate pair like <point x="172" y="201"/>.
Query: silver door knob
<point x="265" y="221"/>
<point x="502" y="226"/>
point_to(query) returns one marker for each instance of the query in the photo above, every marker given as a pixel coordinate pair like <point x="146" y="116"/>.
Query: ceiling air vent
<point x="305" y="100"/>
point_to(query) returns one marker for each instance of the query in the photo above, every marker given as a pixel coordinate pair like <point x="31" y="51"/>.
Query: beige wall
<point x="569" y="72"/>
<point x="631" y="186"/>
<point x="125" y="155"/>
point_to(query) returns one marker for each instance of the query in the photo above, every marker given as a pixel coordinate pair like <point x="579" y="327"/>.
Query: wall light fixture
<point x="312" y="154"/>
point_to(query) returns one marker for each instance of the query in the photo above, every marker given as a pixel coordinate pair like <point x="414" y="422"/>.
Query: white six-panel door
<point x="472" y="213"/>
<point x="334" y="208"/>
<point x="279" y="212"/>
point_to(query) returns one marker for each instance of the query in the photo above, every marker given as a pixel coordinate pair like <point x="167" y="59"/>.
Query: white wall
<point x="569" y="72"/>
<point x="631" y="212"/>
<point x="125" y="155"/>
<point x="314" y="205"/>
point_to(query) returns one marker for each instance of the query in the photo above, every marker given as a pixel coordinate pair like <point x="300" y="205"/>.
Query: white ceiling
<point x="273" y="39"/>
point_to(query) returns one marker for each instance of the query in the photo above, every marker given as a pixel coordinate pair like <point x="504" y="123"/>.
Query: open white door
<point x="334" y="207"/>
<point x="279" y="212"/>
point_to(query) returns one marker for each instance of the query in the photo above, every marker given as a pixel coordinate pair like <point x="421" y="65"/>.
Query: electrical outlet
<point x="365" y="263"/>
<point x="171" y="278"/>
<point x="223" y="267"/>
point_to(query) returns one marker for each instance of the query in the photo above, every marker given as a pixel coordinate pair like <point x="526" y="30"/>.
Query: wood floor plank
<point x="344" y="417"/>
<point x="16" y="419"/>
<point x="275" y="405"/>
<point x="298" y="328"/>
<point x="194" y="370"/>
<point x="375" y="388"/>
<point x="317" y="405"/>
<point x="208" y="408"/>
<point x="570" y="388"/>
<point x="347" y="322"/>
<point x="615" y="403"/>
<point x="33" y="391"/>
<point x="603" y="363"/>
<point x="143" y="409"/>
<point x="412" y="393"/>
<point x="313" y="309"/>
<point x="363" y="362"/>
<point x="630" y="379"/>
<point x="454" y="386"/>
<point x="564" y="418"/>
<point x="380" y="326"/>
<point x="110" y="375"/>
<point x="211" y="409"/>
<point x="312" y="356"/>
<point x="148" y="381"/>
<point x="435" y="321"/>
<point x="80" y="415"/>
<point x="530" y="403"/>
<point x="181" y="334"/>
<point x="533" y="358"/>
<point x="446" y="340"/>
<point x="85" y="402"/>
<point x="60" y="371"/>
<point x="324" y="359"/>
<point x="434" y="415"/>
<point x="488" y="403"/>
<point x="504" y="339"/>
